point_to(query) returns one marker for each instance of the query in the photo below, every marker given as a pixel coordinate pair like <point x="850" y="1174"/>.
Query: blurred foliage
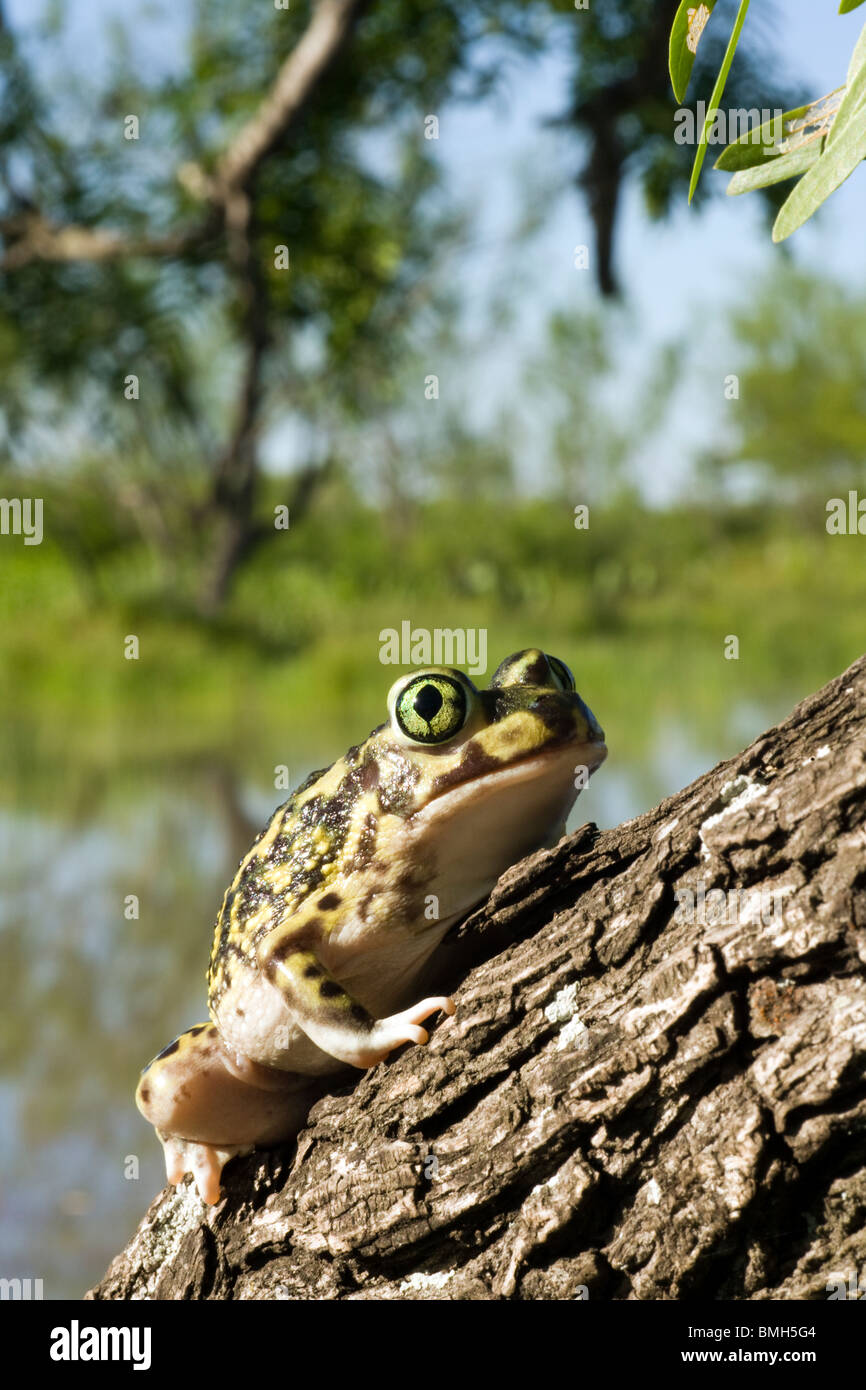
<point x="639" y="604"/>
<point x="800" y="421"/>
<point x="354" y="233"/>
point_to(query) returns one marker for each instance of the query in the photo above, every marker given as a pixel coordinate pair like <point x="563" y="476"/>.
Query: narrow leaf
<point x="852" y="100"/>
<point x="803" y="127"/>
<point x="836" y="164"/>
<point x="716" y="97"/>
<point x="846" y="6"/>
<point x="759" y="144"/>
<point x="788" y="166"/>
<point x="689" y="23"/>
<point x="858" y="57"/>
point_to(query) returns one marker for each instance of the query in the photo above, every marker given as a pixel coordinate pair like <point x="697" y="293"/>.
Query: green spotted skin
<point x="327" y="831"/>
<point x="334" y="913"/>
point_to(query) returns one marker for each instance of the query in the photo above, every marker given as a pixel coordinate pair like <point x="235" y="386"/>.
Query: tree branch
<point x="32" y="237"/>
<point x="235" y="476"/>
<point x="322" y="40"/>
<point x="599" y="114"/>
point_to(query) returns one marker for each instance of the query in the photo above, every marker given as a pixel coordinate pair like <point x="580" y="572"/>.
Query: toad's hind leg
<point x="209" y="1104"/>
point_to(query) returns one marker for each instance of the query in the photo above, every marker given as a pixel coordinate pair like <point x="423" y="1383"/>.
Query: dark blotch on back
<point x="167" y="1051"/>
<point x="279" y="952"/>
<point x="330" y="901"/>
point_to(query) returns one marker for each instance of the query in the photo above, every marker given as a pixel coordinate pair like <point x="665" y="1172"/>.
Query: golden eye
<point x="431" y="709"/>
<point x="561" y="674"/>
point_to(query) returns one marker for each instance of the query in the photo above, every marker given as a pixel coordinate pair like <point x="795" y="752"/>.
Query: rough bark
<point x="627" y="1104"/>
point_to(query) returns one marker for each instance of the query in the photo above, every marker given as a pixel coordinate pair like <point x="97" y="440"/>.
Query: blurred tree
<point x="800" y="420"/>
<point x="479" y="469"/>
<point x="567" y="378"/>
<point x="592" y="438"/>
<point x="192" y="291"/>
<point x="245" y="231"/>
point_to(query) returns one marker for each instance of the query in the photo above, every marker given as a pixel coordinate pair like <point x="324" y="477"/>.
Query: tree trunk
<point x="633" y="1101"/>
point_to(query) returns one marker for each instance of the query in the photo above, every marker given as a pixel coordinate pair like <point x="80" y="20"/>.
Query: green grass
<point x="639" y="606"/>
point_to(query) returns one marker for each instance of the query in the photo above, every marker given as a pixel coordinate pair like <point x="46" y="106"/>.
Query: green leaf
<point x="852" y="100"/>
<point x="858" y="57"/>
<point x="681" y="58"/>
<point x="838" y="161"/>
<point x="803" y="128"/>
<point x="787" y="166"/>
<point x="846" y="6"/>
<point x="717" y="94"/>
<point x="759" y="144"/>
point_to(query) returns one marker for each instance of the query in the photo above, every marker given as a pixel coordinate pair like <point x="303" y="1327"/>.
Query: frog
<point x="325" y="937"/>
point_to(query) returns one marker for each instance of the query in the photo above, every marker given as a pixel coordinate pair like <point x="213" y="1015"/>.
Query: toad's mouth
<point x="555" y="768"/>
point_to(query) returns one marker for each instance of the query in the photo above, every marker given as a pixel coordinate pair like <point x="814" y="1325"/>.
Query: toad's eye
<point x="431" y="709"/>
<point x="561" y="674"/>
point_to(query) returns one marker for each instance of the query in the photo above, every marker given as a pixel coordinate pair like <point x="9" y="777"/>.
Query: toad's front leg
<point x="328" y="1014"/>
<point x="209" y="1104"/>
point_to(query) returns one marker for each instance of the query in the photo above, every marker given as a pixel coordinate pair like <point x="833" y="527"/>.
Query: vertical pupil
<point x="427" y="702"/>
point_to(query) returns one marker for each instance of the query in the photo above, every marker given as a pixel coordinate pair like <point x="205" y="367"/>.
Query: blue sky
<point x="500" y="159"/>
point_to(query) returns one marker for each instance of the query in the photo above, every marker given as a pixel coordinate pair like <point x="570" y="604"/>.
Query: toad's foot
<point x="209" y="1103"/>
<point x="388" y="1033"/>
<point x="204" y="1161"/>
